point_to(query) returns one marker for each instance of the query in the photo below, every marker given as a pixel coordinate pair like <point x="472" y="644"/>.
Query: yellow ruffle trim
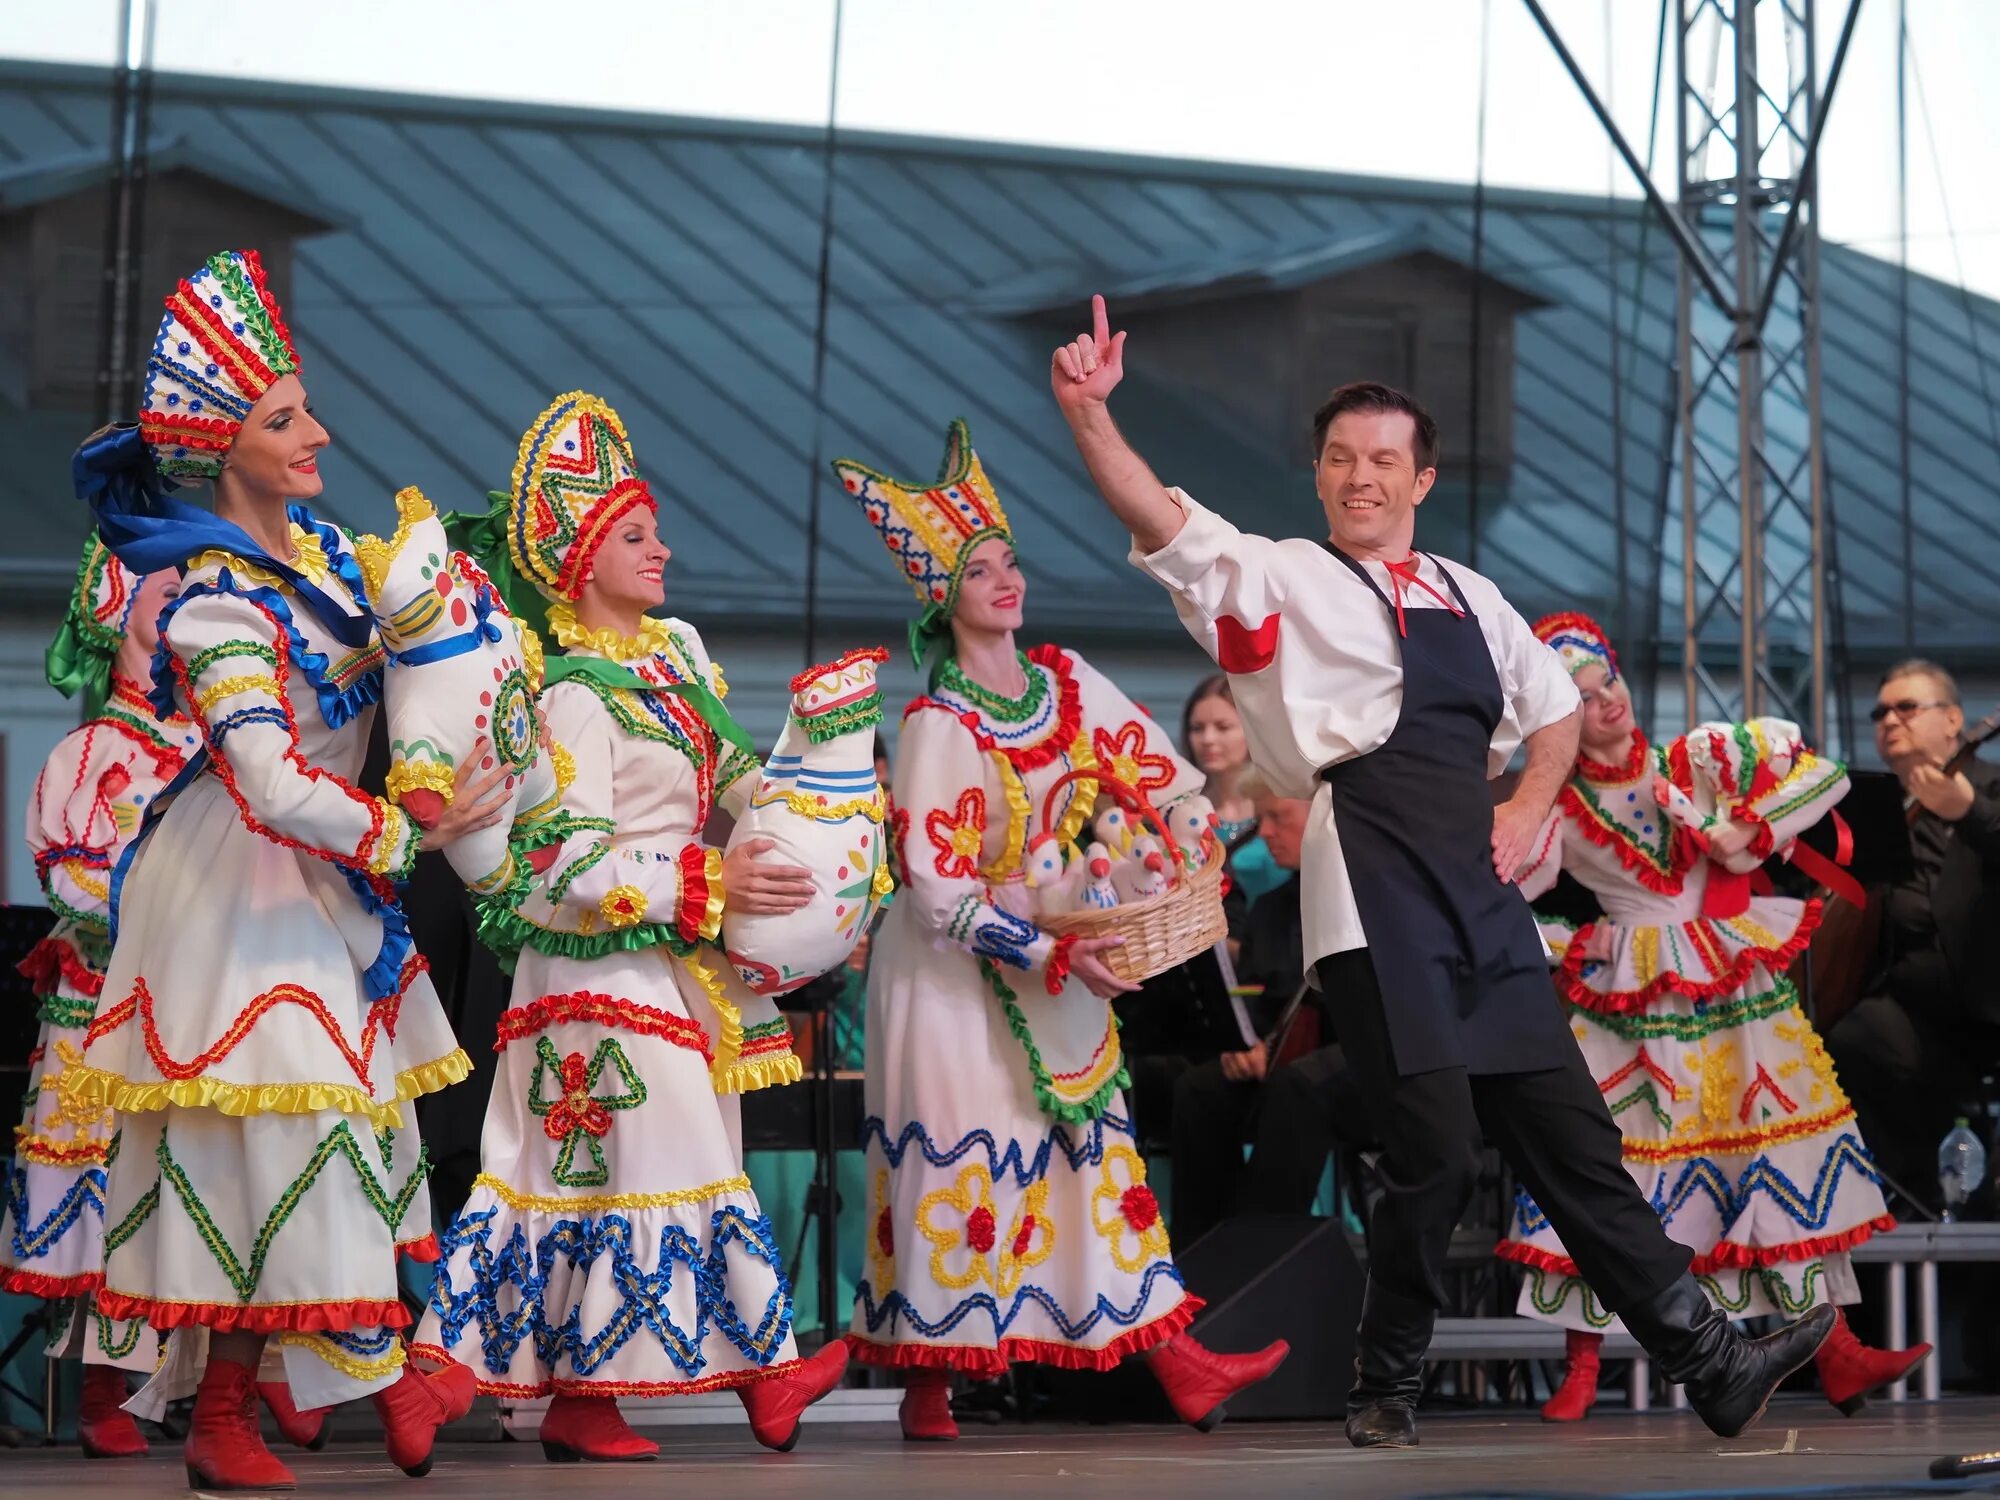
<point x="323" y="1348"/>
<point x="871" y="807"/>
<point x="240" y="1100"/>
<point x="432" y="775"/>
<point x="759" y="1073"/>
<point x="599" y="1202"/>
<point x="711" y="914"/>
<point x="654" y="635"/>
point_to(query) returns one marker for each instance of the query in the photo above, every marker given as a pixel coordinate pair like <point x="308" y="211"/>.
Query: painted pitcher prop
<point x="460" y="669"/>
<point x="818" y="799"/>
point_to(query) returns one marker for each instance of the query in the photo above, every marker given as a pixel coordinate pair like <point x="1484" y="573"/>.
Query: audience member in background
<point x="1928" y="1024"/>
<point x="1212" y="732"/>
<point x="1293" y="1107"/>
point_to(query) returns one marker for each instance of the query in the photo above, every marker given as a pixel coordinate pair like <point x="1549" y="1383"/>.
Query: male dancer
<point x="1388" y="687"/>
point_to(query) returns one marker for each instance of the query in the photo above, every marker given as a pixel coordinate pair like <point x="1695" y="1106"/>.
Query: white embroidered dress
<point x="1734" y="1125"/>
<point x="1008" y="1212"/>
<point x="265" y="1019"/>
<point x="88" y="800"/>
<point x="612" y="1244"/>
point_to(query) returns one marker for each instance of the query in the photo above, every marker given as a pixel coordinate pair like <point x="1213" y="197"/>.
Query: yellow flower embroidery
<point x="1122" y="1207"/>
<point x="623" y="906"/>
<point x="969" y="1225"/>
<point x="1031" y="1239"/>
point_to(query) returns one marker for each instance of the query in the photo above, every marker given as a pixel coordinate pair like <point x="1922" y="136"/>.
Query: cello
<point x="1847" y="946"/>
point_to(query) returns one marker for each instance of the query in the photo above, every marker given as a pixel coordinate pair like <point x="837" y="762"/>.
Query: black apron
<point x="1463" y="978"/>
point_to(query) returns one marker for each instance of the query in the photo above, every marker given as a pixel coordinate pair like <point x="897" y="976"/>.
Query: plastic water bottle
<point x="1961" y="1167"/>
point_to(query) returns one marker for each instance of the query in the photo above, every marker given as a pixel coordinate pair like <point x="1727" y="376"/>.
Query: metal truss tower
<point x="1755" y="532"/>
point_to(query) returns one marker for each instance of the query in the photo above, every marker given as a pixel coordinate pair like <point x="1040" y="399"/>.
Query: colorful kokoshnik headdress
<point x="79" y="658"/>
<point x="574" y="477"/>
<point x="221" y="346"/>
<point x="1579" y="640"/>
<point x="931" y="530"/>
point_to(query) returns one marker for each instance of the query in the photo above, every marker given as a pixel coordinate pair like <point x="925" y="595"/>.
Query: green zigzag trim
<point x="244" y="1278"/>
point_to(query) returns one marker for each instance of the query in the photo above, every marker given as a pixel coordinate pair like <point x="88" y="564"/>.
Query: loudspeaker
<point x="1264" y="1277"/>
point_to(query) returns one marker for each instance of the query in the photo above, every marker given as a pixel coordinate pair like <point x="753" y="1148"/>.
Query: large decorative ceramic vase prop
<point x="460" y="669"/>
<point x="819" y="801"/>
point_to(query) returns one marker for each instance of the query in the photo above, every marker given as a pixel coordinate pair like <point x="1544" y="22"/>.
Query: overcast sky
<point x="1390" y="87"/>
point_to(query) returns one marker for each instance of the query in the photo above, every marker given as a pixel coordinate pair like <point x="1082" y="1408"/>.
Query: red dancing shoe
<point x="104" y="1429"/>
<point x="1199" y="1381"/>
<point x="775" y="1405"/>
<point x="1578" y="1393"/>
<point x="224" y="1449"/>
<point x="591" y="1427"/>
<point x="926" y="1409"/>
<point x="1850" y="1372"/>
<point x="415" y="1407"/>
<point x="302" y="1429"/>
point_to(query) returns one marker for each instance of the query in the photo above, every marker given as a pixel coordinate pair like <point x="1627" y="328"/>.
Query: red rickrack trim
<point x="76" y="1154"/>
<point x="242" y="362"/>
<point x="1727" y="1255"/>
<point x="1628" y="770"/>
<point x="425" y="1249"/>
<point x="1680" y="848"/>
<point x="1619" y="1002"/>
<point x="167" y="759"/>
<point x="436" y="1357"/>
<point x="52" y="959"/>
<point x="1069" y="716"/>
<point x="219" y="762"/>
<point x="254" y="264"/>
<point x="693" y="908"/>
<point x="805" y="679"/>
<point x="975" y="1360"/>
<point x="50" y="1288"/>
<point x="381" y="1016"/>
<point x="215" y="433"/>
<point x="603" y="1010"/>
<point x="235" y="1317"/>
<point x="775" y="1041"/>
<point x="1056" y="972"/>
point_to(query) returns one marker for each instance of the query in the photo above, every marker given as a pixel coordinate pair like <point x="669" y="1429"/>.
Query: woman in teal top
<point x="1212" y="731"/>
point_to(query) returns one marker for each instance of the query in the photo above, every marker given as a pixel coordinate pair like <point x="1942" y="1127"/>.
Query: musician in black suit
<point x="1292" y="1113"/>
<point x="1928" y="1024"/>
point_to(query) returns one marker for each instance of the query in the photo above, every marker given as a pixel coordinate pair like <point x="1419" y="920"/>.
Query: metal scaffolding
<point x="1757" y="584"/>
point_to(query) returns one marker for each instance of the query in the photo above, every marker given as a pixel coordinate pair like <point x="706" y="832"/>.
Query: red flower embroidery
<point x="979" y="1230"/>
<point x="1026" y="1237"/>
<point x="1125" y="756"/>
<point x="1140" y="1207"/>
<point x="957" y="835"/>
<point x="885" y="1234"/>
<point x="576" y="1110"/>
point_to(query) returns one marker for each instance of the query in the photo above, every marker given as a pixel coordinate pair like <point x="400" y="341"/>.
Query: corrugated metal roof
<point x="492" y="255"/>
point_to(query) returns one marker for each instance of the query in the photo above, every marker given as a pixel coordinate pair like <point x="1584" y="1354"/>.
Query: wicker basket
<point x="1162" y="930"/>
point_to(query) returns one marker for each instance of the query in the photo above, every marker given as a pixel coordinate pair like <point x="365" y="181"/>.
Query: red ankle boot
<point x="775" y="1405"/>
<point x="1578" y="1393"/>
<point x="224" y="1449"/>
<point x="1198" y="1381"/>
<point x="591" y="1427"/>
<point x="415" y="1407"/>
<point x="104" y="1429"/>
<point x="302" y="1429"/>
<point x="926" y="1409"/>
<point x="1850" y="1372"/>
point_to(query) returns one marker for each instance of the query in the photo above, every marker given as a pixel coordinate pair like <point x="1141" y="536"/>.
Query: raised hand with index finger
<point x="1086" y="370"/>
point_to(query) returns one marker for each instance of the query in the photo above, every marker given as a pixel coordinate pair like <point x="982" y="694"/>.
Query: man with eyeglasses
<point x="1929" y="1023"/>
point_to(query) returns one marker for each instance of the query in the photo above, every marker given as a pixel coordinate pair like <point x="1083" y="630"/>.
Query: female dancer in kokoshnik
<point x="612" y="1245"/>
<point x="264" y="1020"/>
<point x="87" y="803"/>
<point x="1009" y="1217"/>
<point x="1734" y="1123"/>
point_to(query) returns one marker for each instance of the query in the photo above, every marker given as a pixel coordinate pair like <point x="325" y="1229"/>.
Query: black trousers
<point x="1292" y="1119"/>
<point x="1550" y="1126"/>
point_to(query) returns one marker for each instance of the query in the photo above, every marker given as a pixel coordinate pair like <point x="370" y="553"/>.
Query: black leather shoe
<point x="1729" y="1378"/>
<point x="1389" y="1351"/>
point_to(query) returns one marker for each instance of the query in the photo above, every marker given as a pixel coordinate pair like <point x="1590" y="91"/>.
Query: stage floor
<point x="1803" y="1448"/>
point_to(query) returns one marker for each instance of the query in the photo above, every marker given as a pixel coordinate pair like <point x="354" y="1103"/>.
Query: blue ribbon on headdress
<point x="148" y="529"/>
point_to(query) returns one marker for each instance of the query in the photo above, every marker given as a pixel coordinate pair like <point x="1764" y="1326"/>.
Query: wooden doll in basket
<point x="1008" y="1212"/>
